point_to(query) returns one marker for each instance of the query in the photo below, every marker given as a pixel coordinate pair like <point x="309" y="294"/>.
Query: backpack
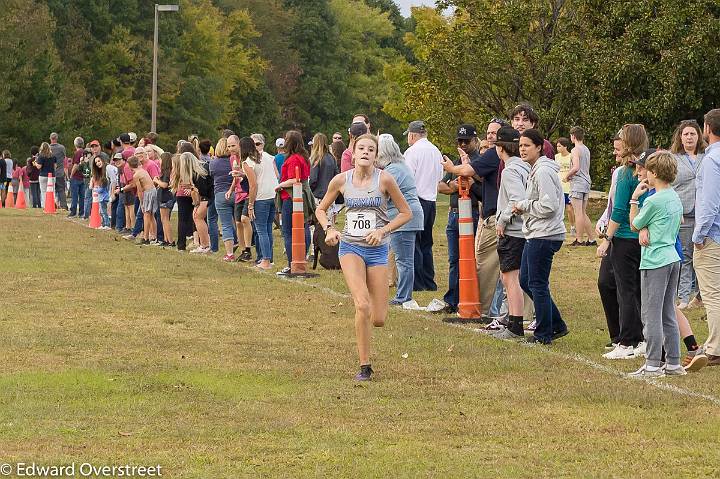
<point x="326" y="254"/>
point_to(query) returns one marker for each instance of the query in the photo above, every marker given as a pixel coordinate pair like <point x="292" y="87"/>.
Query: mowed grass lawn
<point x="118" y="354"/>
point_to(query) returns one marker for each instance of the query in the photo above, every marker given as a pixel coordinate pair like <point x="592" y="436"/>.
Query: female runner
<point x="364" y="239"/>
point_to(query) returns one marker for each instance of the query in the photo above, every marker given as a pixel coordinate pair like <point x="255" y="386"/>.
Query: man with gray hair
<point x="58" y="151"/>
<point x="77" y="185"/>
<point x="425" y="163"/>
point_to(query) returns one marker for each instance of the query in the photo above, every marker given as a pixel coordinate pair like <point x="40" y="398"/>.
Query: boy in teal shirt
<point x="661" y="214"/>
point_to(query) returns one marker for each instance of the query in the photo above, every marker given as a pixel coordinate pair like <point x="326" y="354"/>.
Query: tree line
<point x="85" y="66"/>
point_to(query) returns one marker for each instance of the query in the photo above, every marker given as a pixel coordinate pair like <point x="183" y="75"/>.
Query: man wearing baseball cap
<point x="424" y="161"/>
<point x="485" y="168"/>
<point x="467" y="140"/>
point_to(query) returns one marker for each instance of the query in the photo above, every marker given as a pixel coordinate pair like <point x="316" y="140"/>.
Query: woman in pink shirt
<point x="18" y="175"/>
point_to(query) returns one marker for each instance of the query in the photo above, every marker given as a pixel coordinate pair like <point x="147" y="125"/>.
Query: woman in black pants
<point x="606" y="275"/>
<point x="182" y="185"/>
<point x="625" y="251"/>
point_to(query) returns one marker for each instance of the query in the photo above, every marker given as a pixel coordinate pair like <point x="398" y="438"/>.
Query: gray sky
<point x="406" y="4"/>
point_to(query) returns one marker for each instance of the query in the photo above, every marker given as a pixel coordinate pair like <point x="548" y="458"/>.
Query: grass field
<point x="119" y="354"/>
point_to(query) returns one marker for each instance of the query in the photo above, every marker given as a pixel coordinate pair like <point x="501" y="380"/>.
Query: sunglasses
<point x="337" y="138"/>
<point x="462" y="141"/>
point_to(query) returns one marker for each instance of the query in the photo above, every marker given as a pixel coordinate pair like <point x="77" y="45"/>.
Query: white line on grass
<point x="572" y="357"/>
<point x="658" y="384"/>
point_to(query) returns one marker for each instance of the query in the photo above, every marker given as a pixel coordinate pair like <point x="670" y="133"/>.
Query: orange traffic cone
<point x="95" y="220"/>
<point x="20" y="203"/>
<point x="10" y="198"/>
<point x="298" y="265"/>
<point x="50" y="196"/>
<point x="469" y="305"/>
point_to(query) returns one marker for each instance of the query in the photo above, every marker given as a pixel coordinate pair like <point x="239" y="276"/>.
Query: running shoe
<point x="365" y="373"/>
<point x="228" y="258"/>
<point x="675" y="371"/>
<point x="284" y="272"/>
<point x="532" y="326"/>
<point x="129" y="237"/>
<point x="649" y="372"/>
<point x="577" y="243"/>
<point x="590" y="243"/>
<point x="144" y="243"/>
<point x="245" y="256"/>
<point x="641" y="350"/>
<point x="495" y="326"/>
<point x="621" y="352"/>
<point x="437" y="306"/>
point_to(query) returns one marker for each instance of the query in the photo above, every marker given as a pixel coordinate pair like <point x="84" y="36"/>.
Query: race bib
<point x="360" y="224"/>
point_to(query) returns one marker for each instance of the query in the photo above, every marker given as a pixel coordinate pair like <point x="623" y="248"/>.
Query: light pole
<point x="158" y="9"/>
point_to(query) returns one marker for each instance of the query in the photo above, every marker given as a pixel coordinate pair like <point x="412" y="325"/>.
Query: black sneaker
<point x="535" y="340"/>
<point x="245" y="256"/>
<point x="284" y="272"/>
<point x="560" y="334"/>
<point x="591" y="243"/>
<point x="144" y="243"/>
<point x="365" y="373"/>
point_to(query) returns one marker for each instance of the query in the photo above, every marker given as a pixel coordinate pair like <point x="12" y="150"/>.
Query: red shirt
<point x="288" y="171"/>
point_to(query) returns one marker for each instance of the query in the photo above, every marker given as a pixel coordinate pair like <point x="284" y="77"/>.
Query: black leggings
<point x="625" y="258"/>
<point x="185" y="220"/>
<point x="609" y="297"/>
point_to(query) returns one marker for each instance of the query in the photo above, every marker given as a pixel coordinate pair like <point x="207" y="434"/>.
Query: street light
<point x="158" y="9"/>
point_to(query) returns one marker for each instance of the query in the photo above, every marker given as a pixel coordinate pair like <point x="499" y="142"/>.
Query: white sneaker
<point x="412" y="305"/>
<point x="675" y="371"/>
<point x="641" y="350"/>
<point x="436" y="305"/>
<point x="532" y="326"/>
<point x="647" y="372"/>
<point x="495" y="326"/>
<point x="621" y="352"/>
<point x="200" y="250"/>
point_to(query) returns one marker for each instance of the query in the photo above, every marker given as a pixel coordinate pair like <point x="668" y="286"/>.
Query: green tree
<point x="30" y="101"/>
<point x="588" y="62"/>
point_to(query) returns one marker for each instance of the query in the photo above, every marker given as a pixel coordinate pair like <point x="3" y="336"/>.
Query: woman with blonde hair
<point x="689" y="148"/>
<point x="187" y="170"/>
<point x="623" y="247"/>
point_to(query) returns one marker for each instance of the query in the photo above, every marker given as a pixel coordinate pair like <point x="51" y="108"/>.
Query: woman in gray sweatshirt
<point x="511" y="240"/>
<point x="543" y="211"/>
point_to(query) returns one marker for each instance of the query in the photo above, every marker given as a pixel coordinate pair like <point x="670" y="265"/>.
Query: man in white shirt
<point x="425" y="162"/>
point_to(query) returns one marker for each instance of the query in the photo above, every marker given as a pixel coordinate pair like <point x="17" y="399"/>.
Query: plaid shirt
<point x="684" y="183"/>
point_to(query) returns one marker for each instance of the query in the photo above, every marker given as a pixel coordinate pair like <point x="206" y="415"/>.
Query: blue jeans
<point x="139" y="221"/>
<point x="452" y="297"/>
<point x="88" y="199"/>
<point x="264" y="215"/>
<point x="402" y="243"/>
<point x="105" y="219"/>
<point x="287" y="229"/>
<point x="535" y="281"/>
<point x="497" y="300"/>
<point x="120" y="215"/>
<point x="225" y="210"/>
<point x="77" y="194"/>
<point x="212" y="218"/>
